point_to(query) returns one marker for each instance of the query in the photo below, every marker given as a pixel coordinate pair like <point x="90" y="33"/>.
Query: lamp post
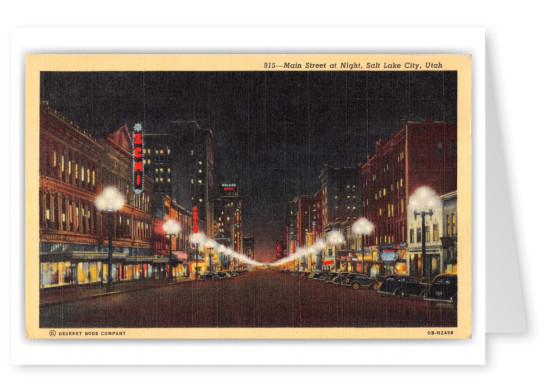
<point x="196" y="239"/>
<point x="171" y="227"/>
<point x="422" y="203"/>
<point x="110" y="200"/>
<point x="362" y="227"/>
<point x="333" y="239"/>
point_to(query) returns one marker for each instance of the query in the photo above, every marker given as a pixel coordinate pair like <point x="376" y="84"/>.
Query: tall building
<point x="291" y="229"/>
<point x="341" y="195"/>
<point x="248" y="246"/>
<point x="418" y="154"/>
<point x="308" y="219"/>
<point x="228" y="212"/>
<point x="181" y="161"/>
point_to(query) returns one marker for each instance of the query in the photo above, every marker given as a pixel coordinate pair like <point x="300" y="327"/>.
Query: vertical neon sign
<point x="137" y="153"/>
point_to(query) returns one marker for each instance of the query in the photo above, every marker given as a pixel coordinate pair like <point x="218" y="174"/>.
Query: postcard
<point x="250" y="196"/>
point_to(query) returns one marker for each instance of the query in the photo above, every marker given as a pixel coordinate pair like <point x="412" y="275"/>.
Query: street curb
<point x="111" y="293"/>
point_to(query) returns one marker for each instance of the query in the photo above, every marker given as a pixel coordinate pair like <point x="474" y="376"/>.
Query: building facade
<point x="229" y="212"/>
<point x="74" y="169"/>
<point x="418" y="154"/>
<point x="186" y="152"/>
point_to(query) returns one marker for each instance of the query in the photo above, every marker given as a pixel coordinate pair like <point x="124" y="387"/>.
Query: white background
<point x="518" y="55"/>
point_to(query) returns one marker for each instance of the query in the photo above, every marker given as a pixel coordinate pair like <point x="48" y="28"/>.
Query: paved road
<point x="261" y="298"/>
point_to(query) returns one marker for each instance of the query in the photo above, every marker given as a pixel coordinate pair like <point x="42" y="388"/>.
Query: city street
<point x="260" y="298"/>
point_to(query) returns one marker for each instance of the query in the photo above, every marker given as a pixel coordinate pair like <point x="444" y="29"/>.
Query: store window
<point x="454" y="225"/>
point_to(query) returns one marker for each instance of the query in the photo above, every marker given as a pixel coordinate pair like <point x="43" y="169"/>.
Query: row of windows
<point x="65" y="213"/>
<point x="68" y="166"/>
<point x="382" y="192"/>
<point x="147" y="151"/>
<point x="435" y="234"/>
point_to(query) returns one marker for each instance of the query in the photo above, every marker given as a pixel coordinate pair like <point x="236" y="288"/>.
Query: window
<point x="418" y="235"/>
<point x="427" y="234"/>
<point x="435" y="236"/>
<point x="411" y="236"/>
<point x="454" y="226"/>
<point x="448" y="225"/>
<point x="440" y="149"/>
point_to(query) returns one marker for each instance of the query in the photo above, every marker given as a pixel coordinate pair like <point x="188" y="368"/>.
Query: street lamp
<point x="362" y="227"/>
<point x="110" y="200"/>
<point x="171" y="227"/>
<point x="333" y="239"/>
<point x="196" y="239"/>
<point x="422" y="203"/>
<point x="210" y="244"/>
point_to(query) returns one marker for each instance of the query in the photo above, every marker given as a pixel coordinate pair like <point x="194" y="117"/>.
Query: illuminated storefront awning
<point x="81" y="256"/>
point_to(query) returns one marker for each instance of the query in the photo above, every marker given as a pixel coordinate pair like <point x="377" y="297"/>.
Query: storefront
<point x="77" y="267"/>
<point x="416" y="264"/>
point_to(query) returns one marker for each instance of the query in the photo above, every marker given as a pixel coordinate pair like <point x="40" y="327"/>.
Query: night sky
<point x="273" y="130"/>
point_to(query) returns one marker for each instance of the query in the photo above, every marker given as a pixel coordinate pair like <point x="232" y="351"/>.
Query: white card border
<point x="256" y="352"/>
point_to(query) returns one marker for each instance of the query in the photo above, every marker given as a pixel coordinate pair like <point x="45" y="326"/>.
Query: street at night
<point x="260" y="298"/>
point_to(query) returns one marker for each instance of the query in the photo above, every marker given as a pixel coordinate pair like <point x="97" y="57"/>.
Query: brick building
<point x="418" y="154"/>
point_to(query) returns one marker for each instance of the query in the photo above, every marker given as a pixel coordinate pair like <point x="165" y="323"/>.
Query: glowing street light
<point x="196" y="239"/>
<point x="422" y="203"/>
<point x="335" y="238"/>
<point x="362" y="227"/>
<point x="110" y="200"/>
<point x="171" y="227"/>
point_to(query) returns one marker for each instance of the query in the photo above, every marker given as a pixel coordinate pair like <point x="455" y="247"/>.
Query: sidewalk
<point x="69" y="293"/>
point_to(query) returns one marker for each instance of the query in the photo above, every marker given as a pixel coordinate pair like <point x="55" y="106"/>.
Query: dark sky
<point x="273" y="130"/>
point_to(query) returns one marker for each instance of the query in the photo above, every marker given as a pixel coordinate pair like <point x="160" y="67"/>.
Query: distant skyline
<point x="273" y="131"/>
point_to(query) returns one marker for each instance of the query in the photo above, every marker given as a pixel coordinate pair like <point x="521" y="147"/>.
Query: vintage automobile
<point x="443" y="290"/>
<point x="339" y="278"/>
<point x="357" y="281"/>
<point x="402" y="286"/>
<point x="208" y="276"/>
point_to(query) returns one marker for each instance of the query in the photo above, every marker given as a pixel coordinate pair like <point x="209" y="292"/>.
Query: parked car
<point x="209" y="276"/>
<point x="318" y="276"/>
<point x="330" y="276"/>
<point x="443" y="289"/>
<point x="402" y="286"/>
<point x="224" y="274"/>
<point x="340" y="278"/>
<point x="357" y="281"/>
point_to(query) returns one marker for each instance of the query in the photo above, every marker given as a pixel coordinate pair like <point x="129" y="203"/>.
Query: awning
<point x="139" y="259"/>
<point x="80" y="255"/>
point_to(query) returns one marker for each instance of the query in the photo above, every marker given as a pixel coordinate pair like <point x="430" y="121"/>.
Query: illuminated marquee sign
<point x="229" y="186"/>
<point x="137" y="152"/>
